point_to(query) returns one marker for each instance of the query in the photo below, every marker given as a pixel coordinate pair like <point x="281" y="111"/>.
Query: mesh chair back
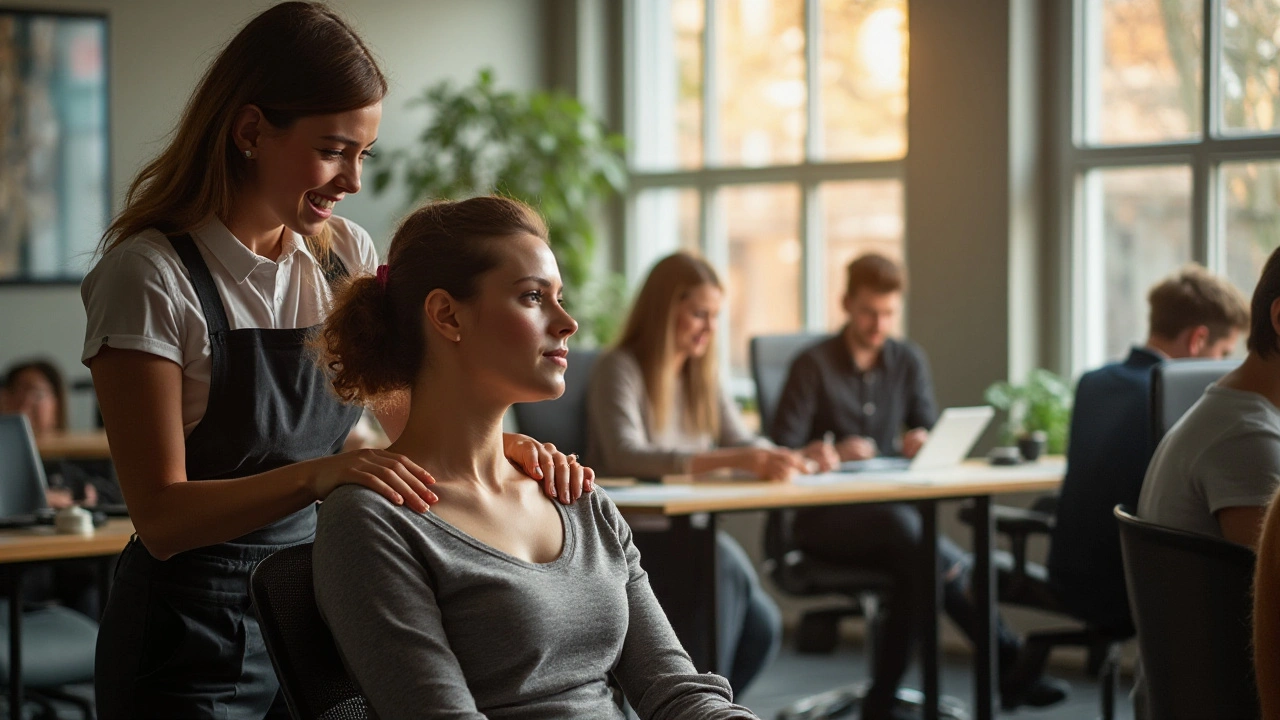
<point x="315" y="683"/>
<point x="1192" y="603"/>
<point x="562" y="421"/>
<point x="771" y="357"/>
<point x="1176" y="385"/>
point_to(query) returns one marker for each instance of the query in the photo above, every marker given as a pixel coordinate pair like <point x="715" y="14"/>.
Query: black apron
<point x="178" y="637"/>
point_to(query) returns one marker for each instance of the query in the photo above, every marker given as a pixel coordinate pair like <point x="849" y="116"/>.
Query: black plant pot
<point x="1032" y="445"/>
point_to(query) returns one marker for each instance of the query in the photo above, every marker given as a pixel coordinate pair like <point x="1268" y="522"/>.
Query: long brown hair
<point x="373" y="341"/>
<point x="294" y="60"/>
<point x="650" y="335"/>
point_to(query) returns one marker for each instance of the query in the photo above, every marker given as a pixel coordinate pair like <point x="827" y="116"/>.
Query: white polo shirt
<point x="139" y="296"/>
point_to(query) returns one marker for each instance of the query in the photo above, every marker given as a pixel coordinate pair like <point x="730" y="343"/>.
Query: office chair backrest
<point x="771" y="357"/>
<point x="563" y="421"/>
<point x="1176" y="385"/>
<point x="22" y="481"/>
<point x="312" y="677"/>
<point x="1192" y="602"/>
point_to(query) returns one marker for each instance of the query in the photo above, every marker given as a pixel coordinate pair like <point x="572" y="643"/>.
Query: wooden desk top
<point x="42" y="543"/>
<point x="971" y="478"/>
<point x="80" y="445"/>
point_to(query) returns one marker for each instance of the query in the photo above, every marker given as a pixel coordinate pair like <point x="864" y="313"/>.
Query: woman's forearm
<point x="191" y="514"/>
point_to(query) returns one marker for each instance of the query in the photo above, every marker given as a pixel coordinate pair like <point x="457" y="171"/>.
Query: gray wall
<point x="160" y="47"/>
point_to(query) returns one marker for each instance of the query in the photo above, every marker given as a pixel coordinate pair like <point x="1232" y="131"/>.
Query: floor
<point x="793" y="676"/>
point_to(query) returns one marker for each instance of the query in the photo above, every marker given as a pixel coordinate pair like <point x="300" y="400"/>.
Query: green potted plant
<point x="543" y="148"/>
<point x="1039" y="412"/>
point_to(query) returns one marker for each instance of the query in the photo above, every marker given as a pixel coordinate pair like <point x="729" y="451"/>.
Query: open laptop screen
<point x="22" y="482"/>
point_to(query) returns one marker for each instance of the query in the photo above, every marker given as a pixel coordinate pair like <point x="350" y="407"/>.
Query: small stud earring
<point x="248" y="154"/>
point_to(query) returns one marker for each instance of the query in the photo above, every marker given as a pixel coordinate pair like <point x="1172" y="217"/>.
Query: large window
<point x="768" y="135"/>
<point x="1174" y="154"/>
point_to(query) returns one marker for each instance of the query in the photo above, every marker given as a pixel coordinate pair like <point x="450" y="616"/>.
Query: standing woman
<point x="199" y="312"/>
<point x="656" y="408"/>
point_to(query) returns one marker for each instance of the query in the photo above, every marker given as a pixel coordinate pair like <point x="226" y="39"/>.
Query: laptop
<point x="22" y="481"/>
<point x="949" y="443"/>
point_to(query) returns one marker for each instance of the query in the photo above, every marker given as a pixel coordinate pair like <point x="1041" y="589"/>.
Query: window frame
<point x="1081" y="272"/>
<point x="808" y="175"/>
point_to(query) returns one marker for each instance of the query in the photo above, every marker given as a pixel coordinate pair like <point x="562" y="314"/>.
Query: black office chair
<point x="316" y="686"/>
<point x="1176" y="385"/>
<point x="799" y="574"/>
<point x="563" y="421"/>
<point x="1192" y="600"/>
<point x="1024" y="583"/>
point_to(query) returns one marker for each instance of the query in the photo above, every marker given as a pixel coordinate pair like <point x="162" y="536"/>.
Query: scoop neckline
<point x="566" y="549"/>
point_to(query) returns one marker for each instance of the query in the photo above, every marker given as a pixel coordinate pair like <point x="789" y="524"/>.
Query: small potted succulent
<point x="1038" y="413"/>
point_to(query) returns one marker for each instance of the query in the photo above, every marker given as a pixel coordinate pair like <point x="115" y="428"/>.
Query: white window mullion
<point x="813" y="241"/>
<point x="710" y="90"/>
<point x="813" y="140"/>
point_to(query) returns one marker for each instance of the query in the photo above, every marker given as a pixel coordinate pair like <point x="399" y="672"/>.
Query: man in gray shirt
<point x="1216" y="470"/>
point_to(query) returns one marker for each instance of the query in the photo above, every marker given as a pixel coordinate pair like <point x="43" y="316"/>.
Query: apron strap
<point x="215" y="315"/>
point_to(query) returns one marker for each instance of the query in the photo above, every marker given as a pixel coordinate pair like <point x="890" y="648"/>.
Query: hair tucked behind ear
<point x="373" y="341"/>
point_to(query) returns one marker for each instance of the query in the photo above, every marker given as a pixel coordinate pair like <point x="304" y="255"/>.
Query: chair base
<point x="845" y="700"/>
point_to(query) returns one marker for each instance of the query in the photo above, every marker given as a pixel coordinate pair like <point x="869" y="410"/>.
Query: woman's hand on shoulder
<point x="562" y="476"/>
<point x="391" y="475"/>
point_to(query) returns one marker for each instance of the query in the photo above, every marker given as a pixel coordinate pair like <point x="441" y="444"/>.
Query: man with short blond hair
<point x="1193" y="314"/>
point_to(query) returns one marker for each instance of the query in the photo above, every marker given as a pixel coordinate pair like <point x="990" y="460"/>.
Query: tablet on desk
<point x="875" y="464"/>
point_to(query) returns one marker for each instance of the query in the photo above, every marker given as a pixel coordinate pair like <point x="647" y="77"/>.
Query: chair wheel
<point x="817" y="633"/>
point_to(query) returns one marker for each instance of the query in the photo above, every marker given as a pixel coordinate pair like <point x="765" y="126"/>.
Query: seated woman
<point x="497" y="603"/>
<point x="656" y="408"/>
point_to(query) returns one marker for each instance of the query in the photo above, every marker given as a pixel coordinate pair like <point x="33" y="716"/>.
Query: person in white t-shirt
<point x="1218" y="468"/>
<point x="200" y="312"/>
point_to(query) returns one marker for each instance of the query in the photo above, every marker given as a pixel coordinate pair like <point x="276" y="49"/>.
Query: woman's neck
<point x="455" y="435"/>
<point x="255" y="228"/>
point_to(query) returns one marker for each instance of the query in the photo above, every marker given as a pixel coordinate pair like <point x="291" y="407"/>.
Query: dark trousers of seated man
<point x="887" y="538"/>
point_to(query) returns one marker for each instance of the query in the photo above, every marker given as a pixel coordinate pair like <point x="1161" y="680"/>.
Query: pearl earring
<point x="248" y="154"/>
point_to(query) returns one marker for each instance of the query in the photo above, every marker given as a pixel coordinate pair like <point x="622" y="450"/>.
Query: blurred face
<point x="303" y="172"/>
<point x="34" y="396"/>
<point x="872" y="316"/>
<point x="515" y="332"/>
<point x="695" y="320"/>
<point x="1221" y="348"/>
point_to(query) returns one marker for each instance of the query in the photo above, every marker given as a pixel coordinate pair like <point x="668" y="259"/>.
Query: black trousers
<point x="888" y="538"/>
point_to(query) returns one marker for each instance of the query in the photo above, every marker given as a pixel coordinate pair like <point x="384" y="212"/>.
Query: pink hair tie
<point x="382" y="276"/>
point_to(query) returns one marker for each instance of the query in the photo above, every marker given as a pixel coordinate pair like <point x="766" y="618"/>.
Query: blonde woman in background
<point x="656" y="407"/>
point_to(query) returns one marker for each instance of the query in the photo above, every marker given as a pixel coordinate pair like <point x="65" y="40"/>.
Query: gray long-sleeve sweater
<point x="624" y="439"/>
<point x="432" y="623"/>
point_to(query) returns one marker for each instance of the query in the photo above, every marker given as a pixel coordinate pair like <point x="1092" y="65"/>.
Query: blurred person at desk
<point x="1192" y="314"/>
<point x="35" y="388"/>
<point x="655" y="407"/>
<point x="854" y="396"/>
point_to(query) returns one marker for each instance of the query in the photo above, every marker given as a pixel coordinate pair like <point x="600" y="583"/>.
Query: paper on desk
<point x="898" y="477"/>
<point x="660" y="493"/>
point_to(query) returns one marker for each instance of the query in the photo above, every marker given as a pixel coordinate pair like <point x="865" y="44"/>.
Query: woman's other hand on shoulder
<point x="392" y="475"/>
<point x="561" y="475"/>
